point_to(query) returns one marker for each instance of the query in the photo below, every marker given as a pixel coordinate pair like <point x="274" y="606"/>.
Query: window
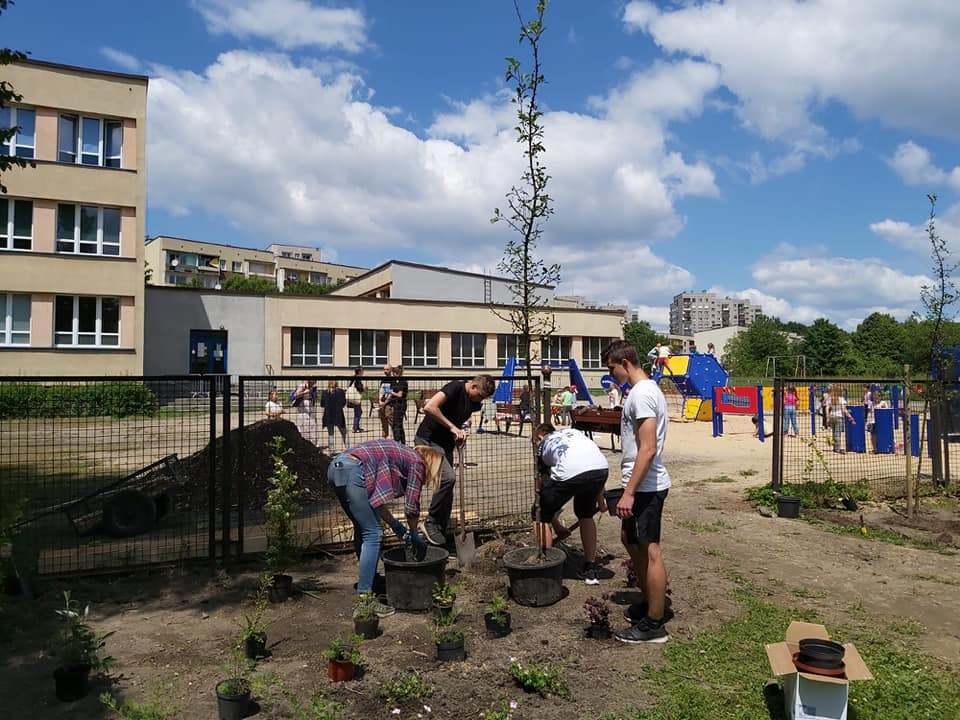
<point x="223" y="264"/>
<point x="237" y="266"/>
<point x="368" y="348"/>
<point x="81" y="320"/>
<point x="306" y="256"/>
<point x="592" y="349"/>
<point x="508" y="346"/>
<point x="23" y="142"/>
<point x="319" y="278"/>
<point x="88" y="230"/>
<point x="292" y="276"/>
<point x="420" y="349"/>
<point x="90" y="141"/>
<point x="14" y="319"/>
<point x="16" y="224"/>
<point x="555" y="350"/>
<point x="468" y="349"/>
<point x="311" y="347"/>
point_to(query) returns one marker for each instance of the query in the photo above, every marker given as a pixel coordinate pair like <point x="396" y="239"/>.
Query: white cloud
<point x="238" y="140"/>
<point x="121" y="59"/>
<point x="914" y="237"/>
<point x="287" y="23"/>
<point x="657" y="315"/>
<point x="914" y="165"/>
<point x="786" y="59"/>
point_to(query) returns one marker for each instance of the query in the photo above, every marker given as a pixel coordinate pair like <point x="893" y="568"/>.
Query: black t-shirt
<point x="457" y="408"/>
<point x="399" y="386"/>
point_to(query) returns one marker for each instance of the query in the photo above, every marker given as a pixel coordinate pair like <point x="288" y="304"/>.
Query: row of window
<point x="81" y="229"/>
<point x="313" y="347"/>
<point x="79" y="320"/>
<point x="80" y="140"/>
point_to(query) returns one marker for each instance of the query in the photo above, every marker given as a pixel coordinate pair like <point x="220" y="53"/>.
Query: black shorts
<point x="644" y="525"/>
<point x="583" y="488"/>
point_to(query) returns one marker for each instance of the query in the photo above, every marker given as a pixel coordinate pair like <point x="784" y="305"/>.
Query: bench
<point x="593" y="419"/>
<point x="511" y="413"/>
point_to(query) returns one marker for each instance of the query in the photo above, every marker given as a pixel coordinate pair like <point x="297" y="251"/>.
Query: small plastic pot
<point x="451" y="651"/>
<point x="496" y="629"/>
<point x="340" y="671"/>
<point x="599" y="632"/>
<point x="788" y="506"/>
<point x="280" y="588"/>
<point x="612" y="497"/>
<point x="367" y="629"/>
<point x="255" y="646"/>
<point x="442" y="611"/>
<point x="72" y="682"/>
<point x="235" y="703"/>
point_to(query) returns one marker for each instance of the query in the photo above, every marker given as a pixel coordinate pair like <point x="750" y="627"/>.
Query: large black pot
<point x="410" y="584"/>
<point x="233" y="706"/>
<point x="495" y="629"/>
<point x="451" y="651"/>
<point x="280" y="588"/>
<point x="72" y="682"/>
<point x="535" y="583"/>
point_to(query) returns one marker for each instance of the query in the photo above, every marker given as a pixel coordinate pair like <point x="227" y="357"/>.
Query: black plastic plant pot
<point x="367" y="629"/>
<point x="442" y="611"/>
<point x="451" y="650"/>
<point x="788" y="506"/>
<point x="612" y="497"/>
<point x="72" y="682"/>
<point x="410" y="584"/>
<point x="497" y="629"/>
<point x="599" y="632"/>
<point x="535" y="582"/>
<point x="233" y="699"/>
<point x="255" y="646"/>
<point x="280" y="588"/>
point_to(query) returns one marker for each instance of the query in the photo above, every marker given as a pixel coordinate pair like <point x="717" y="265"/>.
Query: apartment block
<point x="692" y="312"/>
<point x="180" y="262"/>
<point x="72" y="228"/>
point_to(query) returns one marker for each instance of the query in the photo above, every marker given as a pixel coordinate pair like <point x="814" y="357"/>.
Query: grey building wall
<point x="170" y="315"/>
<point x="427" y="284"/>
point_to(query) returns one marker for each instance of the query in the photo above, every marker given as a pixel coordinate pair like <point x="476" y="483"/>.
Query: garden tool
<point x="466" y="546"/>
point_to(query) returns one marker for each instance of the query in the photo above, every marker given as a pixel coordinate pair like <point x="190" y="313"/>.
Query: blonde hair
<point x="432" y="462"/>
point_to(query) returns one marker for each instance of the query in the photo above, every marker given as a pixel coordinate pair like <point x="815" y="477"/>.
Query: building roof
<point x="81" y="69"/>
<point x="251" y="249"/>
<point x="438" y="268"/>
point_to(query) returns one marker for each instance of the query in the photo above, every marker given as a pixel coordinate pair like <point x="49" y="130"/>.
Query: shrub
<point x="405" y="686"/>
<point x="498" y="609"/>
<point x="444" y="594"/>
<point x="826" y="494"/>
<point x="366" y="607"/>
<point x="79" y="645"/>
<point x="445" y="628"/>
<point x="539" y="678"/>
<point x="157" y="708"/>
<point x="598" y="611"/>
<point x="346" y="651"/>
<point x="118" y="399"/>
<point x="280" y="509"/>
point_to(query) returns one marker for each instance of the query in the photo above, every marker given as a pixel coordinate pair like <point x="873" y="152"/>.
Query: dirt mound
<point x="256" y="464"/>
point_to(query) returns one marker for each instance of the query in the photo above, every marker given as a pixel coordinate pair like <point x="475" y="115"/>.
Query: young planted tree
<point x="528" y="204"/>
<point x="9" y="95"/>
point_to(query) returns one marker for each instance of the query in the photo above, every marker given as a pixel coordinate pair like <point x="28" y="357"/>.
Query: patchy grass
<point x="808" y="594"/>
<point x="715" y="552"/>
<point x="749" y="472"/>
<point x="883" y="535"/>
<point x="719" y="479"/>
<point x="405" y="686"/>
<point x="937" y="579"/>
<point x="698" y="527"/>
<point x="156" y="708"/>
<point x="720" y="673"/>
<point x="824" y="494"/>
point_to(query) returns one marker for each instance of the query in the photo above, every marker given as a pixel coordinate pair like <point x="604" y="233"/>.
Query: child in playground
<point x="566" y="403"/>
<point x="837" y="411"/>
<point x="488" y="413"/>
<point x="273" y="409"/>
<point x="790" y="428"/>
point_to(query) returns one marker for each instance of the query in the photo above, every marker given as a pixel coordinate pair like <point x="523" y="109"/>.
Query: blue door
<point x="208" y="352"/>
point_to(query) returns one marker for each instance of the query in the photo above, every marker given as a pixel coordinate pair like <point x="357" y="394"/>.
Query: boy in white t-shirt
<point x="643" y="432"/>
<point x="273" y="408"/>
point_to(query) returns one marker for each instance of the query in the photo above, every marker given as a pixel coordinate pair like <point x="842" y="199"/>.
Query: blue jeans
<point x="357" y="412"/>
<point x="345" y="475"/>
<point x="790" y="419"/>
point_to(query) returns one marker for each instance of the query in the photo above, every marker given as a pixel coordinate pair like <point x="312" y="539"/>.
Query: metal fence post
<point x="226" y="468"/>
<point x="241" y="469"/>
<point x="211" y="484"/>
<point x="776" y="477"/>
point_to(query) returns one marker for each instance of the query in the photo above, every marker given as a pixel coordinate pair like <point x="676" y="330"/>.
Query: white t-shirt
<point x="273" y="408"/>
<point x="838" y="407"/>
<point x="645" y="400"/>
<point x="568" y="453"/>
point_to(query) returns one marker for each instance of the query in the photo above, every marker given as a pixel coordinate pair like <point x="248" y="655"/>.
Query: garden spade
<point x="466" y="547"/>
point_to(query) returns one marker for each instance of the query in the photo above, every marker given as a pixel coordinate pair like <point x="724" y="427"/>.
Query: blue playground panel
<point x="855" y="432"/>
<point x="504" y="391"/>
<point x="883" y="428"/>
<point x="704" y="373"/>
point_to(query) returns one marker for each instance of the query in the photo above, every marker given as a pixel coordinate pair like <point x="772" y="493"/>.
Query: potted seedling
<point x="366" y="624"/>
<point x="444" y="596"/>
<point x="343" y="657"/>
<point x="254" y="627"/>
<point x="233" y="693"/>
<point x="281" y="509"/>
<point x="497" y="617"/>
<point x="448" y="637"/>
<point x="80" y="650"/>
<point x="598" y="614"/>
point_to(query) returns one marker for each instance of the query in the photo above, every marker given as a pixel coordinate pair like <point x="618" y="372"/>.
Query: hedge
<point x="118" y="399"/>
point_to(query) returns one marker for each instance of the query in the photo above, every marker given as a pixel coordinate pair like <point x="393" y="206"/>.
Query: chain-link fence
<point x="859" y="431"/>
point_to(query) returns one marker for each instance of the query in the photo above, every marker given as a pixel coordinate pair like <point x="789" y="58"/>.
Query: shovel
<point x="466" y="547"/>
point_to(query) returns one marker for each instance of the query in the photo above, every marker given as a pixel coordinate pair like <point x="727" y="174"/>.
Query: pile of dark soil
<point x="256" y="465"/>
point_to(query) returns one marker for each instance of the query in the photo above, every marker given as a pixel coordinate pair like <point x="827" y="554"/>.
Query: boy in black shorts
<point x="570" y="466"/>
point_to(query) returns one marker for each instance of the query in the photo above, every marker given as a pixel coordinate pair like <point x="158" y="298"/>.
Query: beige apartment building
<point x="180" y="262"/>
<point x="72" y="228"/>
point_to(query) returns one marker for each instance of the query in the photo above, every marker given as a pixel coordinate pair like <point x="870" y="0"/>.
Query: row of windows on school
<point x="317" y="347"/>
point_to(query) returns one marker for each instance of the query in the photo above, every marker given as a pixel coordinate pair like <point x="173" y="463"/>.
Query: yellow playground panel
<point x="803" y="399"/>
<point x="677" y="365"/>
<point x="697" y="409"/>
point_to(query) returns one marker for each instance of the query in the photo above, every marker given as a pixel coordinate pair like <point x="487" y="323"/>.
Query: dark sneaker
<point x="433" y="532"/>
<point x="635" y="612"/>
<point x="589" y="574"/>
<point x="645" y="631"/>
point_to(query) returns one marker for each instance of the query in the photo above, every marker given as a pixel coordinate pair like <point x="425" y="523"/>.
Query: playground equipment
<point x="696" y="375"/>
<point x="504" y="391"/>
<point x="738" y="401"/>
<point x="798" y="363"/>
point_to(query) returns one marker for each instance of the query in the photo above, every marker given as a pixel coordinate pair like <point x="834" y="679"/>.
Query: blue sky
<point x="775" y="148"/>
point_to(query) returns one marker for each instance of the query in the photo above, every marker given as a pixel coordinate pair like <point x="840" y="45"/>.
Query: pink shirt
<point x="790" y="399"/>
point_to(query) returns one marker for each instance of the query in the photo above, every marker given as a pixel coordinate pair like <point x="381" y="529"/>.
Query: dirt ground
<point x="173" y="627"/>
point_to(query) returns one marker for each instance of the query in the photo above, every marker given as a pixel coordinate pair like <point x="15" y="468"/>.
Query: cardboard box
<point x="814" y="697"/>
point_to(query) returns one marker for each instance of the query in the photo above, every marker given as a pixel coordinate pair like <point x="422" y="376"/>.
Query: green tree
<point x="302" y="287"/>
<point x="257" y="285"/>
<point x="877" y="347"/>
<point x="641" y="336"/>
<point x="9" y="95"/>
<point x="827" y="348"/>
<point x="528" y="204"/>
<point x="746" y="353"/>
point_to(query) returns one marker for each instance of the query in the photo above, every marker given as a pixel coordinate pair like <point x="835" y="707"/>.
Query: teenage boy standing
<point x="398" y="401"/>
<point x="643" y="432"/>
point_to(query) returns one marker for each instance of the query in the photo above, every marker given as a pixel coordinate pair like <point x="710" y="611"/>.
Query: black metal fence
<point x="860" y="431"/>
<point x="100" y="474"/>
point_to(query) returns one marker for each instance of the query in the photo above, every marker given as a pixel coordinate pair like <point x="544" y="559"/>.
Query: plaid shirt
<point x="391" y="470"/>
